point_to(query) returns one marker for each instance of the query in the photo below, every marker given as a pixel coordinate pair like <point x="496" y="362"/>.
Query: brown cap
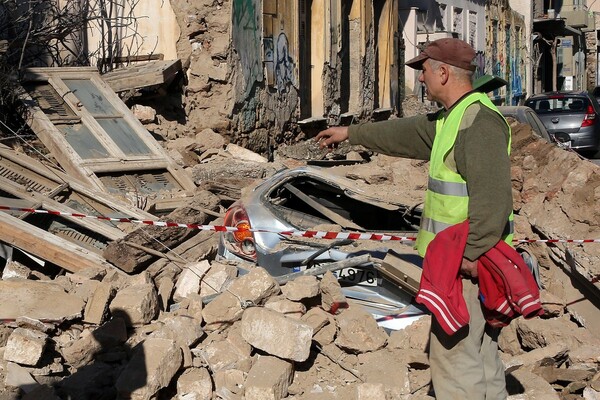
<point x="449" y="51"/>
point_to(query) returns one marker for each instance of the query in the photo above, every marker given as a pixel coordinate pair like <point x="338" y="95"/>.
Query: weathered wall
<point x="203" y="47"/>
<point x="289" y="64"/>
<point x="505" y="51"/>
<point x="264" y="74"/>
<point x="591" y="55"/>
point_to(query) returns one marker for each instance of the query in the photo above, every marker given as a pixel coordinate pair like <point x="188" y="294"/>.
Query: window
<point x="457" y="22"/>
<point x="94" y="136"/>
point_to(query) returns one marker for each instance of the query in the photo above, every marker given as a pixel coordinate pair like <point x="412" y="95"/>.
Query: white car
<point x="310" y="198"/>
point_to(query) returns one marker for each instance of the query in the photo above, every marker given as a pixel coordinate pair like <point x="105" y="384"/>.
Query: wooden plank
<point x="159" y="239"/>
<point x="270" y="7"/>
<point x="46" y="246"/>
<point x="128" y="59"/>
<point x="142" y="75"/>
<point x="48" y="176"/>
<point x="335" y="217"/>
<point x="403" y="273"/>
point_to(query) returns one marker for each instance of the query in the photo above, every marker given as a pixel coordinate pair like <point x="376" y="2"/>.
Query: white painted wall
<point x="156" y="26"/>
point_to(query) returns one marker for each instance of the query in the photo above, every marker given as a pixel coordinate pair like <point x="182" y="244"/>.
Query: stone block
<point x="152" y="366"/>
<point x="189" y="279"/>
<point x="386" y="368"/>
<point x="256" y="286"/>
<point x="304" y="287"/>
<point x="371" y="391"/>
<point x="291" y="309"/>
<point x="97" y="304"/>
<point x="182" y="329"/>
<point x="194" y="384"/>
<point x="25" y="346"/>
<point x="316" y="318"/>
<point x="358" y="331"/>
<point x="268" y="379"/>
<point x="275" y="334"/>
<point x="220" y="355"/>
<point x="137" y="305"/>
<point x="217" y="279"/>
<point x="332" y="298"/>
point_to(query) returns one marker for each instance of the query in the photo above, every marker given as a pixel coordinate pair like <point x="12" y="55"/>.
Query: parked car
<point x="596" y="93"/>
<point x="526" y="115"/>
<point x="308" y="197"/>
<point x="572" y="117"/>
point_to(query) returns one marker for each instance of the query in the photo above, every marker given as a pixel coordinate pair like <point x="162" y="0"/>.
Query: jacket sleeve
<point x="410" y="137"/>
<point x="482" y="159"/>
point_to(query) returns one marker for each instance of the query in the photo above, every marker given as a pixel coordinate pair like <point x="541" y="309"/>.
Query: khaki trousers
<point x="466" y="365"/>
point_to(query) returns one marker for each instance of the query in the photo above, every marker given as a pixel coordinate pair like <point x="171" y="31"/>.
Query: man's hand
<point x="332" y="136"/>
<point x="468" y="269"/>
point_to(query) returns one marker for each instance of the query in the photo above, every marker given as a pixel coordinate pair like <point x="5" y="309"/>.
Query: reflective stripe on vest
<point x="436" y="226"/>
<point x="449" y="188"/>
<point x="447" y="198"/>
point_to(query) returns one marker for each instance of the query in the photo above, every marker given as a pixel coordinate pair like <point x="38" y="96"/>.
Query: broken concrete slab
<point x="41" y="300"/>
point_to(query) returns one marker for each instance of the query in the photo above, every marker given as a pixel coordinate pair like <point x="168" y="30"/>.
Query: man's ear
<point x="444" y="72"/>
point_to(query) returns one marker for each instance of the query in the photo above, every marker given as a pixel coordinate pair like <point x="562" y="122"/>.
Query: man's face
<point x="430" y="77"/>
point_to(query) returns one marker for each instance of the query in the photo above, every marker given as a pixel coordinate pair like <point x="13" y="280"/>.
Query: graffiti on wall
<point x="246" y="39"/>
<point x="284" y="64"/>
<point x="516" y="83"/>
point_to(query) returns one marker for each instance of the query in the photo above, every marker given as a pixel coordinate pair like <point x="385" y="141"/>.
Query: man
<point x="468" y="144"/>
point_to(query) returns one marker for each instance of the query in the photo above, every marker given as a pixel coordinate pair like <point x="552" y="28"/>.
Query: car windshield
<point x="559" y="104"/>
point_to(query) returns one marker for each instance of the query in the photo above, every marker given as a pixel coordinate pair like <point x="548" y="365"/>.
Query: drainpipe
<point x="554" y="66"/>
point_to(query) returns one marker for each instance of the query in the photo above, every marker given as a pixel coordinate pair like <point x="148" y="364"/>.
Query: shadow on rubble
<point x="107" y="373"/>
<point x="104" y="365"/>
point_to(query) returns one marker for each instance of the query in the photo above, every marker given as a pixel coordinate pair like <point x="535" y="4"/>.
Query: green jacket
<point x="479" y="156"/>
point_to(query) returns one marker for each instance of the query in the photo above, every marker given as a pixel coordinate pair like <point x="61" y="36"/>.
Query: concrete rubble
<point x="254" y="340"/>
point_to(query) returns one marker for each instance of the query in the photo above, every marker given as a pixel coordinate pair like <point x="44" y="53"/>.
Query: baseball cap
<point x="449" y="51"/>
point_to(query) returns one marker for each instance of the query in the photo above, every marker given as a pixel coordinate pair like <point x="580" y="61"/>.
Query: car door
<point x="537" y="125"/>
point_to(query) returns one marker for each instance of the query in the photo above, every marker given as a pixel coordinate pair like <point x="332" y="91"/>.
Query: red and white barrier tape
<point x="307" y="234"/>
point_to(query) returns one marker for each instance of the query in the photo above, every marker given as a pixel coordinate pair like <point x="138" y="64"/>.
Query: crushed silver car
<point x="312" y="199"/>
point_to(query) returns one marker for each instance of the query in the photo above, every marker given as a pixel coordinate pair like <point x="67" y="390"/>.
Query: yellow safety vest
<point x="446" y="198"/>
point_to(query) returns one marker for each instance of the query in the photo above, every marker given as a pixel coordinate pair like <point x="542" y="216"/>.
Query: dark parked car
<point x="312" y="198"/>
<point x="571" y="117"/>
<point x="596" y="93"/>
